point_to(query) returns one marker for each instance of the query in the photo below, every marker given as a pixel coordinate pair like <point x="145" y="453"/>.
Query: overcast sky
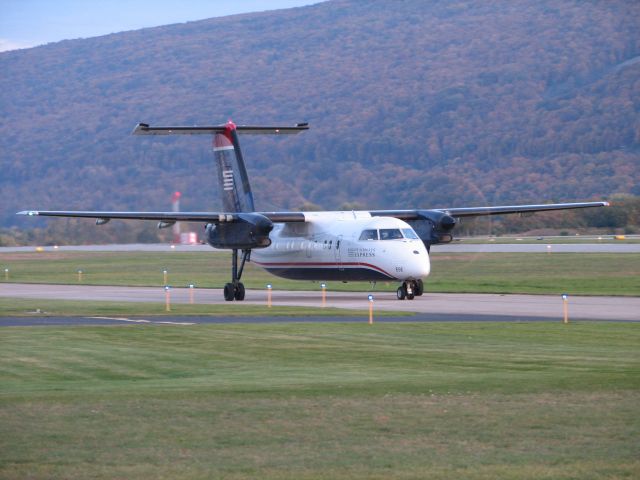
<point x="27" y="23"/>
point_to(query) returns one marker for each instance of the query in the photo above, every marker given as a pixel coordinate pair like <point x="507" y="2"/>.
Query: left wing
<point x="483" y="211"/>
<point x="435" y="226"/>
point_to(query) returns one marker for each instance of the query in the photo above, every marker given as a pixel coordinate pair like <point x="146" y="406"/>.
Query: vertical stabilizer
<point x="232" y="173"/>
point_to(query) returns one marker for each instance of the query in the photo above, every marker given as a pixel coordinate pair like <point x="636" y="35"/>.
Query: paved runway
<point x="468" y="306"/>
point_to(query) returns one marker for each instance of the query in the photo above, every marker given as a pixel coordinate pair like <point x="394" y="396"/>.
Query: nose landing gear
<point x="410" y="289"/>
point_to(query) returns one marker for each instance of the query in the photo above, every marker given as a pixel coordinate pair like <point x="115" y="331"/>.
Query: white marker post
<point x="565" y="307"/>
<point x="191" y="293"/>
<point x="167" y="298"/>
<point x="370" y="309"/>
<point x="269" y="295"/>
<point x="324" y="294"/>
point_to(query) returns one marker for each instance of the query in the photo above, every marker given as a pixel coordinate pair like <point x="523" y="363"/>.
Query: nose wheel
<point x="235" y="290"/>
<point x="410" y="289"/>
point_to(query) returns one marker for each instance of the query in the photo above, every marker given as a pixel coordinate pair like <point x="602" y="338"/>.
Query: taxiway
<point x="462" y="305"/>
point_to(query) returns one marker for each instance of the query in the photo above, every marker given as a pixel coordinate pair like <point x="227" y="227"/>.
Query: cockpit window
<point x="369" y="235"/>
<point x="409" y="233"/>
<point x="390" y="234"/>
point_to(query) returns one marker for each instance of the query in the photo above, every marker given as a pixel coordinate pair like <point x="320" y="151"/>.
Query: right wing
<point x="166" y="217"/>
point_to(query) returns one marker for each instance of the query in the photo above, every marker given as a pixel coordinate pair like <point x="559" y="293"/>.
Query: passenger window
<point x="409" y="233"/>
<point x="369" y="235"/>
<point x="390" y="234"/>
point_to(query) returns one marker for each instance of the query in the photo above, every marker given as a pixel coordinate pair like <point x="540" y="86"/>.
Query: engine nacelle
<point x="433" y="227"/>
<point x="244" y="231"/>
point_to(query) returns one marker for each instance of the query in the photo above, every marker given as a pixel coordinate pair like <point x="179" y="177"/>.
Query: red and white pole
<point x="175" y="202"/>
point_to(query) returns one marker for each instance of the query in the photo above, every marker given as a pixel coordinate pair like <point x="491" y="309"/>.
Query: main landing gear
<point x="410" y="289"/>
<point x="235" y="289"/>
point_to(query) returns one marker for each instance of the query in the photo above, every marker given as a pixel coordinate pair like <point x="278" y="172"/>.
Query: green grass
<point x="579" y="274"/>
<point x="29" y="307"/>
<point x="340" y="401"/>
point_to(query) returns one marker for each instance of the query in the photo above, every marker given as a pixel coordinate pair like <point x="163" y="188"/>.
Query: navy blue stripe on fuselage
<point x="354" y="272"/>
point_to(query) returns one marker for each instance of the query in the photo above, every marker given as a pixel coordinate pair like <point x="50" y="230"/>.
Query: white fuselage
<point x="345" y="246"/>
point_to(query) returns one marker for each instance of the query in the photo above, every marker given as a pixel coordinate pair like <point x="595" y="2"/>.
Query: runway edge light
<point x="565" y="308"/>
<point x="370" y="309"/>
<point x="167" y="298"/>
<point x="269" y="287"/>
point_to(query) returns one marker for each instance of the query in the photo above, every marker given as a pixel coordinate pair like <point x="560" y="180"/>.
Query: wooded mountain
<point x="412" y="103"/>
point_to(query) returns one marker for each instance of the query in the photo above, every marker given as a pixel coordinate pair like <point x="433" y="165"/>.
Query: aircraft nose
<point x="419" y="263"/>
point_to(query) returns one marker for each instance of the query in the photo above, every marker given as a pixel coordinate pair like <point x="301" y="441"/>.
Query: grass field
<point x="340" y="401"/>
<point x="578" y="274"/>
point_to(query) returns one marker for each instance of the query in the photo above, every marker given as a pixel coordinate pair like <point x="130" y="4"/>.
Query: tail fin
<point x="232" y="173"/>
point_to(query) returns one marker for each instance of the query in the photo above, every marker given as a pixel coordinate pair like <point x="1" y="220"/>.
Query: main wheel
<point x="401" y="292"/>
<point x="229" y="292"/>
<point x="239" y="294"/>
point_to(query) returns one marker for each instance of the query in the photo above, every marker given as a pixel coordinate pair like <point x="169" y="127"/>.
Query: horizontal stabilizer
<point x="146" y="129"/>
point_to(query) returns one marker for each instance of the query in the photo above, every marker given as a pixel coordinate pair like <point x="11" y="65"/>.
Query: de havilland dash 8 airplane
<point x="370" y="245"/>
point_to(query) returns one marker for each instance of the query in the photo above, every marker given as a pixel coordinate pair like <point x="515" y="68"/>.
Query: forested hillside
<point x="412" y="103"/>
